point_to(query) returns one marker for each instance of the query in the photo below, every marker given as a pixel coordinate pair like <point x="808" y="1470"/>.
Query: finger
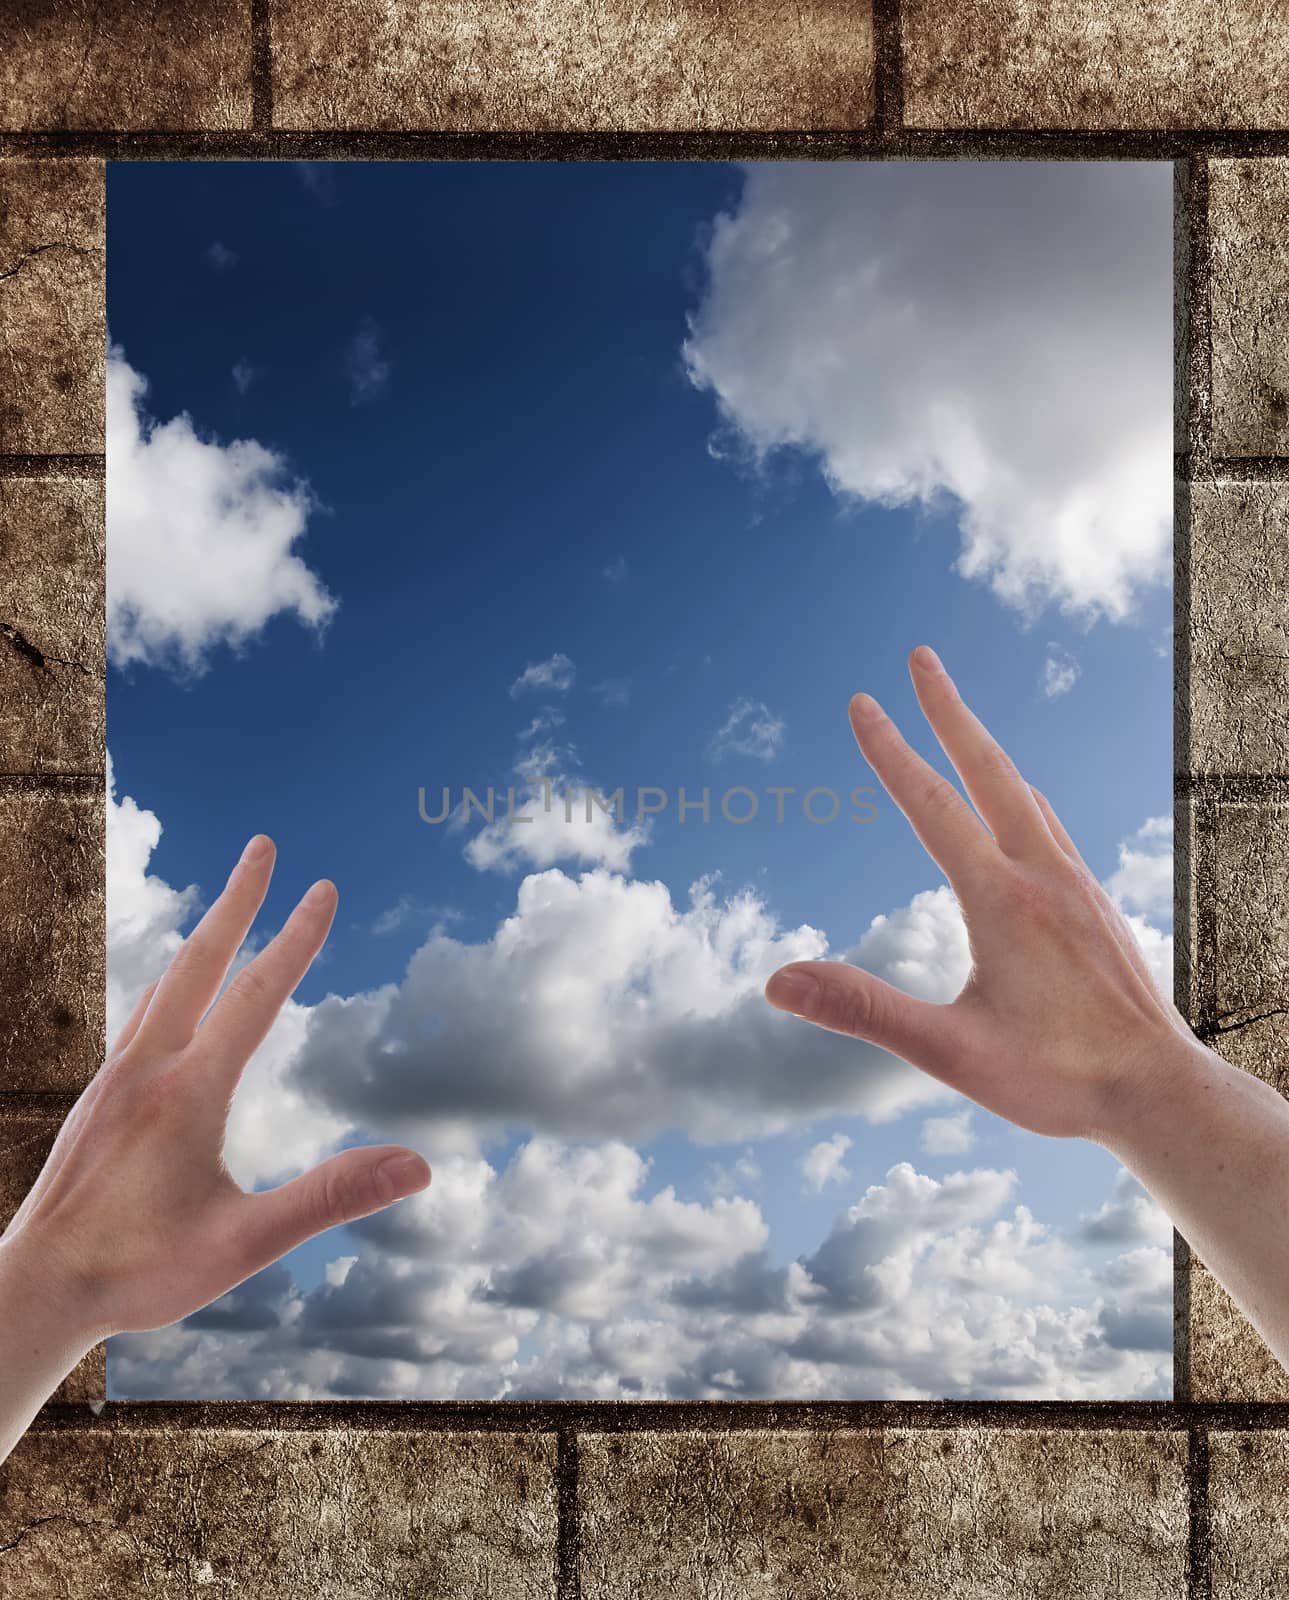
<point x="244" y="1013"/>
<point x="845" y="999"/>
<point x="198" y="967"/>
<point x="1057" y="828"/>
<point x="134" y="1019"/>
<point x="947" y="826"/>
<point x="1118" y="925"/>
<point x="347" y="1186"/>
<point x="989" y="775"/>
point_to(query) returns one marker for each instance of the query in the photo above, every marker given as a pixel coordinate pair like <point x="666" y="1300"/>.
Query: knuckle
<point x="251" y="985"/>
<point x="347" y="1194"/>
<point x="849" y="1007"/>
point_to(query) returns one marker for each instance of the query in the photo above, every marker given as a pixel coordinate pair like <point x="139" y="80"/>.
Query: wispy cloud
<point x="244" y="375"/>
<point x="824" y="1163"/>
<point x="1060" y="672"/>
<point x="221" y="257"/>
<point x="617" y="570"/>
<point x="751" y="729"/>
<point x="948" y="1136"/>
<point x="366" y="364"/>
<point x="318" y="178"/>
<point x="613" y="691"/>
<point x="554" y="675"/>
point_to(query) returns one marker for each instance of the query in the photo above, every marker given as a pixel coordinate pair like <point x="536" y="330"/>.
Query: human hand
<point x="1060" y="1026"/>
<point x="135" y="1221"/>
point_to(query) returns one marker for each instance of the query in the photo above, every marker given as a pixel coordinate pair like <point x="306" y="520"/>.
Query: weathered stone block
<point x="51" y="626"/>
<point x="52" y="304"/>
<point x="1251" y="911"/>
<point x="1249" y="221"/>
<point x="51" y="937"/>
<point x="968" y="1512"/>
<point x="572" y="64"/>
<point x="1229" y="1361"/>
<point x="332" y="1512"/>
<point x="1238" y="600"/>
<point x="1086" y="64"/>
<point x="1248" y="1492"/>
<point x="171" y="64"/>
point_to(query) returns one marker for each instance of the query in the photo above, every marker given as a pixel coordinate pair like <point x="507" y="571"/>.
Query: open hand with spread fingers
<point x="135" y="1221"/>
<point x="1060" y="1026"/>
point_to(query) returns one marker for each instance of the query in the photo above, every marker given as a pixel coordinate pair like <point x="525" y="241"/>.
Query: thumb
<point x="845" y="999"/>
<point x="347" y="1186"/>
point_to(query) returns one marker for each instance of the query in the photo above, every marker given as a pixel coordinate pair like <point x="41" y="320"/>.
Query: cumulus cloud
<point x="554" y="675"/>
<point x="751" y="729"/>
<point x="824" y="1163"/>
<point x="601" y="1008"/>
<point x="1143" y="880"/>
<point x="562" y="1268"/>
<point x="1129" y="1217"/>
<point x="996" y="336"/>
<point x="948" y="1136"/>
<point x="560" y="1274"/>
<point x="553" y="816"/>
<point x="201" y="536"/>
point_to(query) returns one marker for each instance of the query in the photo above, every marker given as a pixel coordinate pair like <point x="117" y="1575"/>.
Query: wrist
<point x="45" y="1299"/>
<point x="1162" y="1090"/>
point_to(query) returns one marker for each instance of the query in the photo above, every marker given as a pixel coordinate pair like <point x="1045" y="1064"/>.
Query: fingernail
<point x="403" y="1174"/>
<point x="865" y="708"/>
<point x="257" y="848"/>
<point x="319" y="894"/>
<point x="792" y="991"/>
<point x="926" y="657"/>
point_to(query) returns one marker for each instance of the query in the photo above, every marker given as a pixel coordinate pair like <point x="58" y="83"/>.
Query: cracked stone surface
<point x="572" y="64"/>
<point x="170" y="64"/>
<point x="1248" y="1491"/>
<point x="1229" y="1361"/>
<point x="52" y="316"/>
<point x="332" y="1513"/>
<point x="1239" y="628"/>
<point x="974" y="1513"/>
<point x="1092" y="64"/>
<point x="51" y="633"/>
<point x="1248" y="210"/>
<point x="24" y="1143"/>
<point x="51" y="937"/>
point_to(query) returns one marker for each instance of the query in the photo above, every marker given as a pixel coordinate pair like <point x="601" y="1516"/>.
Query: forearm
<point x="1211" y="1144"/>
<point x="40" y="1340"/>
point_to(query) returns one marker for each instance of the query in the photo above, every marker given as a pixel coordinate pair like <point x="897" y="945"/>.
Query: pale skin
<point x="1060" y="1027"/>
<point x="135" y="1222"/>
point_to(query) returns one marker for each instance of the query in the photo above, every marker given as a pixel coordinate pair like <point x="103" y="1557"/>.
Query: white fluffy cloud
<point x="1143" y="880"/>
<point x="558" y="1274"/>
<point x="201" y="536"/>
<point x="997" y="332"/>
<point x="600" y="1008"/>
<point x="600" y="1011"/>
<point x="824" y="1163"/>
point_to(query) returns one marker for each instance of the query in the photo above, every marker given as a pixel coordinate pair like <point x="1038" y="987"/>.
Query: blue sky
<point x="519" y="397"/>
